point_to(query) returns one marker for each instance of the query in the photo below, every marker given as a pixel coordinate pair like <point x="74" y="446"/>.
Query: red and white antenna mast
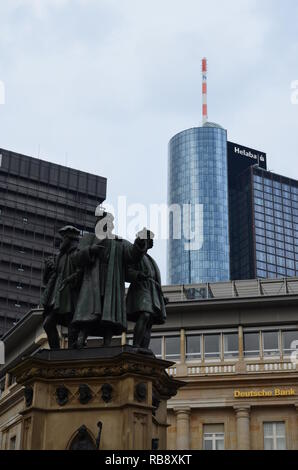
<point x="204" y="90"/>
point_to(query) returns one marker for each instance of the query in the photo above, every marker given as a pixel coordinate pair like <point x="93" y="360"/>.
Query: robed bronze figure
<point x="104" y="259"/>
<point x="145" y="302"/>
<point x="59" y="299"/>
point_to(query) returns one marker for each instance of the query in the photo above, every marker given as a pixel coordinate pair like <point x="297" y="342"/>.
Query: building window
<point x="214" y="437"/>
<point x="270" y="343"/>
<point x="231" y="345"/>
<point x="12" y="443"/>
<point x="193" y="347"/>
<point x="290" y="342"/>
<point x="275" y="436"/>
<point x="11" y="380"/>
<point x="155" y="346"/>
<point x="261" y="273"/>
<point x="172" y="348"/>
<point x="2" y="385"/>
<point x="251" y="344"/>
<point x="212" y="346"/>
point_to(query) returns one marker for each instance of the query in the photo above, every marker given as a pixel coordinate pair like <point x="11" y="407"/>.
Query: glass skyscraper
<point x="249" y="223"/>
<point x="198" y="185"/>
<point x="269" y="249"/>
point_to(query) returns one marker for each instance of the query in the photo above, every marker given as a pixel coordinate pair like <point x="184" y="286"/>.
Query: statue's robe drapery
<point x="145" y="295"/>
<point x="101" y="302"/>
<point x="62" y="303"/>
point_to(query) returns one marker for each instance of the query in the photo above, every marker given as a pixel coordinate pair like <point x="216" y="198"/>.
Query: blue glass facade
<point x="198" y="175"/>
<point x="275" y="208"/>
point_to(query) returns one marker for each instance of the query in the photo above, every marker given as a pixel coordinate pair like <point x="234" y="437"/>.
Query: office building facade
<point x="266" y="212"/>
<point x="252" y="236"/>
<point x="198" y="185"/>
<point x="242" y="253"/>
<point x="238" y="359"/>
<point x="37" y="199"/>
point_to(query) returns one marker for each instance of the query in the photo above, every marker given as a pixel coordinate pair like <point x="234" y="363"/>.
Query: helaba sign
<point x="256" y="156"/>
<point x="239" y="151"/>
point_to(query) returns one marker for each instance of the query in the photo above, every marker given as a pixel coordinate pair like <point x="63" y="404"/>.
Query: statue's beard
<point x="65" y="245"/>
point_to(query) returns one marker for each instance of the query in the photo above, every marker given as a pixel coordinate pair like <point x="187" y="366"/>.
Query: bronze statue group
<point x="85" y="286"/>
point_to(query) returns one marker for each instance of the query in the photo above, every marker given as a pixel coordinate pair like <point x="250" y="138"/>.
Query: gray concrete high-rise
<point x="37" y="199"/>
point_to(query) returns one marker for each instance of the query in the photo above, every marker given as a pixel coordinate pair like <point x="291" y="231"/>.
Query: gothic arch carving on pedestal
<point x="82" y="440"/>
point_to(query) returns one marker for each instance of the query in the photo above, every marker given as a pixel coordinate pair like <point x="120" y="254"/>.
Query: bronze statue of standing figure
<point x="145" y="303"/>
<point x="104" y="259"/>
<point x="85" y="286"/>
<point x="59" y="299"/>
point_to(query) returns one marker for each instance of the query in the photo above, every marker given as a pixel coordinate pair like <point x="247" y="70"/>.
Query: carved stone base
<point x="70" y="396"/>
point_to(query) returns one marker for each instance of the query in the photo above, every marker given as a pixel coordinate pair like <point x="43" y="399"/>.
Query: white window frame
<point x="214" y="438"/>
<point x="159" y="356"/>
<point x="276" y="354"/>
<point x="258" y="353"/>
<point x="189" y="357"/>
<point x="286" y="352"/>
<point x="274" y="435"/>
<point x="13" y="442"/>
<point x="206" y="356"/>
<point x="226" y="353"/>
<point x="171" y="357"/>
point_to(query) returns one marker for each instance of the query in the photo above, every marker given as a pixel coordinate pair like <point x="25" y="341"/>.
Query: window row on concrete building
<point x="214" y="345"/>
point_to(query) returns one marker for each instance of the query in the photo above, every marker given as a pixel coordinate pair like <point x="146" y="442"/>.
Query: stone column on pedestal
<point x="243" y="427"/>
<point x="182" y="428"/>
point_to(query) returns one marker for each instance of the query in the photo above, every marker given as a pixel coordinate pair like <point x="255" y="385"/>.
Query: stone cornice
<point x="69" y="365"/>
<point x="238" y="380"/>
<point x="176" y="404"/>
<point x="10" y="400"/>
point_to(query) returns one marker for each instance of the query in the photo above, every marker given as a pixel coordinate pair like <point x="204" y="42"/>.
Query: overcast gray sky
<point x="104" y="84"/>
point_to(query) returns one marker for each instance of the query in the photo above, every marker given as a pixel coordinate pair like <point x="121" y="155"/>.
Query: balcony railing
<point x="232" y="289"/>
<point x="274" y="366"/>
<point x="237" y="367"/>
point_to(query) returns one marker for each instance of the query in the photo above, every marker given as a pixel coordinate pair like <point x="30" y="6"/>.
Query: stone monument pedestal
<point x="70" y="394"/>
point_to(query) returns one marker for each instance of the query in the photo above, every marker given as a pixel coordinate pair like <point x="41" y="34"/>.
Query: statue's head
<point x="141" y="391"/>
<point x="62" y="395"/>
<point x="69" y="231"/>
<point x="106" y="392"/>
<point x="85" y="394"/>
<point x="146" y="234"/>
<point x="68" y="234"/>
<point x="104" y="223"/>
